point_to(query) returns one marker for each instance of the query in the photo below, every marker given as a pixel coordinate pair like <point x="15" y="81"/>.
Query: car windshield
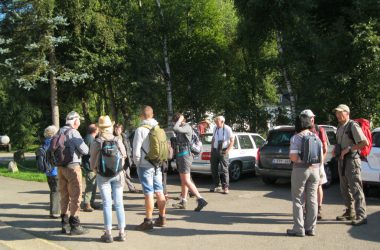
<point x="376" y="140"/>
<point x="280" y="137"/>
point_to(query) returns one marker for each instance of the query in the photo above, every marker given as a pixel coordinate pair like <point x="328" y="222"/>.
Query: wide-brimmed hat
<point x="342" y="107"/>
<point x="105" y="122"/>
<point x="308" y="113"/>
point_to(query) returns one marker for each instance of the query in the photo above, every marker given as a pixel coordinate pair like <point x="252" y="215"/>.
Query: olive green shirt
<point x="344" y="138"/>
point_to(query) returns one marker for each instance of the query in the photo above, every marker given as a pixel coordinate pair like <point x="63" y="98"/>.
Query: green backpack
<point x="158" y="149"/>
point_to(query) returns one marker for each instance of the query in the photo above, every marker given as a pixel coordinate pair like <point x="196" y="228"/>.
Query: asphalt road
<point x="252" y="216"/>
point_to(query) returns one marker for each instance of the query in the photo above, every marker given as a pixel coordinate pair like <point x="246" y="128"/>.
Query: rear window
<point x="280" y="137"/>
<point x="376" y="139"/>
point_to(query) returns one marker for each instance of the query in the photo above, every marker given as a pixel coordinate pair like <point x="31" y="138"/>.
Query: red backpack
<point x="366" y="128"/>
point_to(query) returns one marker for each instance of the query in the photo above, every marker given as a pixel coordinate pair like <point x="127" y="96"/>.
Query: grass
<point x="27" y="171"/>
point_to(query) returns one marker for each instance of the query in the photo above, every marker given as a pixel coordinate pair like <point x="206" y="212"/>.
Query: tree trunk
<point x="86" y="114"/>
<point x="285" y="74"/>
<point x="112" y="102"/>
<point x="53" y="89"/>
<point x="167" y="75"/>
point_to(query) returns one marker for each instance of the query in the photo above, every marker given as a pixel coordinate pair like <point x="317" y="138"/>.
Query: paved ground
<point x="252" y="216"/>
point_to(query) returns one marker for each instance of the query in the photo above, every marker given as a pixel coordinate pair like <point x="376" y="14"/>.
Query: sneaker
<point x="146" y="225"/>
<point x="225" y="191"/>
<point x="120" y="237"/>
<point x="180" y="205"/>
<point x="87" y="208"/>
<point x="107" y="238"/>
<point x="201" y="204"/>
<point x="54" y="216"/>
<point x="96" y="206"/>
<point x="191" y="195"/>
<point x="215" y="189"/>
<point x="290" y="232"/>
<point x="359" y="221"/>
<point x="347" y="215"/>
<point x="319" y="214"/>
<point x="160" y="221"/>
<point x="310" y="232"/>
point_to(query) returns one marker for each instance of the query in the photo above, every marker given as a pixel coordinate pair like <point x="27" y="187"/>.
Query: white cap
<point x="307" y="112"/>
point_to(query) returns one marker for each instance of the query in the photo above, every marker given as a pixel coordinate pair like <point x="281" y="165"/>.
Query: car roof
<point x="283" y="127"/>
<point x="327" y="126"/>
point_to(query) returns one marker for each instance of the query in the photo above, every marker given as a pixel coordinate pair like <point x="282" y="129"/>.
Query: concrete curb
<point x="15" y="238"/>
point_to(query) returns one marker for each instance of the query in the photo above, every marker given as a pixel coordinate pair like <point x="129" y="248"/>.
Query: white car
<point x="371" y="165"/>
<point x="242" y="157"/>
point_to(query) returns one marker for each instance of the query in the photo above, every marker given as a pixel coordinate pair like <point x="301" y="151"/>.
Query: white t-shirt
<point x="225" y="133"/>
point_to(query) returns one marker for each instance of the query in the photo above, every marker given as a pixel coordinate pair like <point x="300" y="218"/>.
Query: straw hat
<point x="105" y="122"/>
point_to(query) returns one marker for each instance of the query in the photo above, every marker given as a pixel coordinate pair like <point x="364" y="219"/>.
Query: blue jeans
<point x="112" y="186"/>
<point x="151" y="182"/>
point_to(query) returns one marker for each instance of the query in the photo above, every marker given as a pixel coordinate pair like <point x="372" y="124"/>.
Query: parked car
<point x="371" y="165"/>
<point x="273" y="158"/>
<point x="242" y="157"/>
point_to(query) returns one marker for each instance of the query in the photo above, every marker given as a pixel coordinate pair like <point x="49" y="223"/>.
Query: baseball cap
<point x="342" y="107"/>
<point x="307" y="112"/>
<point x="72" y="115"/>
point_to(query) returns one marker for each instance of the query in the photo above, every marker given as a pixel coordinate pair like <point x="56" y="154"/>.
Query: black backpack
<point x="311" y="149"/>
<point x="110" y="158"/>
<point x="42" y="162"/>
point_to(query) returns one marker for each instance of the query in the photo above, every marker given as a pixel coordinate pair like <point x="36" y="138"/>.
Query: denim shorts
<point x="151" y="182"/>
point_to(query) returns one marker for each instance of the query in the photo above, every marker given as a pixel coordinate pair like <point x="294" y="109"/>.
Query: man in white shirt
<point x="221" y="144"/>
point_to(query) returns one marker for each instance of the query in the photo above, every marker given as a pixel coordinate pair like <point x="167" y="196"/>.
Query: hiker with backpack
<point x="107" y="157"/>
<point x="222" y="142"/>
<point x="90" y="175"/>
<point x="150" y="150"/>
<point x="306" y="155"/>
<point x="320" y="132"/>
<point x="184" y="158"/>
<point x="50" y="171"/>
<point x="67" y="148"/>
<point x="350" y="141"/>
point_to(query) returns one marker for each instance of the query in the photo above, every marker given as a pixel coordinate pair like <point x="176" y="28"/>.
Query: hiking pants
<point x="90" y="190"/>
<point x="216" y="159"/>
<point x="54" y="208"/>
<point x="351" y="185"/>
<point x="70" y="187"/>
<point x="304" y="178"/>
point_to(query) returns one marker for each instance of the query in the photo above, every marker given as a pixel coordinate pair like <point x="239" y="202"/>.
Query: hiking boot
<point x="146" y="225"/>
<point x="160" y="221"/>
<point x="180" y="205"/>
<point x="348" y="215"/>
<point x="107" y="238"/>
<point x="319" y="214"/>
<point x="87" y="208"/>
<point x="120" y="237"/>
<point x="359" y="221"/>
<point x="96" y="206"/>
<point x="65" y="224"/>
<point x="310" y="232"/>
<point x="76" y="227"/>
<point x="201" y="204"/>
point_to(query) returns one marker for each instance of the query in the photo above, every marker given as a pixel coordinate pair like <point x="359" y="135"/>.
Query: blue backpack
<point x="43" y="163"/>
<point x="110" y="162"/>
<point x="311" y="152"/>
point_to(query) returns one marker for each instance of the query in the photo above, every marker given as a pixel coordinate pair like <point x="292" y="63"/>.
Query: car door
<point x="247" y="151"/>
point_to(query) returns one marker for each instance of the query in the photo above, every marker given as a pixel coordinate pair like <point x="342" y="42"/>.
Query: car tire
<point x="269" y="180"/>
<point x="329" y="176"/>
<point x="235" y="171"/>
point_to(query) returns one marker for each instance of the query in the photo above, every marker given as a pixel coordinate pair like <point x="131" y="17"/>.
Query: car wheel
<point x="235" y="171"/>
<point x="269" y="180"/>
<point x="329" y="177"/>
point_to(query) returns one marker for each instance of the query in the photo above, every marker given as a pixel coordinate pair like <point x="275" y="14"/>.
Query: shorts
<point x="151" y="182"/>
<point x="184" y="163"/>
<point x="322" y="176"/>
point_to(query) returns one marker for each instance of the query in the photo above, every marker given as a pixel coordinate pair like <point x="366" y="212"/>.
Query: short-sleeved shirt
<point x="344" y="137"/>
<point x="296" y="147"/>
<point x="224" y="134"/>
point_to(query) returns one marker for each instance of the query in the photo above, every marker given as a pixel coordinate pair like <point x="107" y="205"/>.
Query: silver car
<point x="242" y="157"/>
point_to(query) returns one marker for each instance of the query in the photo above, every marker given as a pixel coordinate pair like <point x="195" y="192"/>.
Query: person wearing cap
<point x="320" y="132"/>
<point x="70" y="176"/>
<point x="221" y="143"/>
<point x="110" y="187"/>
<point x="349" y="163"/>
<point x="90" y="176"/>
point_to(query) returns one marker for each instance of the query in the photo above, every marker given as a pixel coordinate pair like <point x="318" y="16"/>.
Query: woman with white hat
<point x="110" y="180"/>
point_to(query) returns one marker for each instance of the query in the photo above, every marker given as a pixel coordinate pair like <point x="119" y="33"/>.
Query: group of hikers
<point x="106" y="155"/>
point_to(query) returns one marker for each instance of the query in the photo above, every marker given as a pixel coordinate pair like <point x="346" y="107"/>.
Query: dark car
<point x="273" y="157"/>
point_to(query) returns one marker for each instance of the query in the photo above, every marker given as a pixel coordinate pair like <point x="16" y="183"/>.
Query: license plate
<point x="281" y="161"/>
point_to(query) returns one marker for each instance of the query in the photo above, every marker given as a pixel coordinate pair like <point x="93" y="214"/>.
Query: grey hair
<point x="220" y="118"/>
<point x="71" y="121"/>
<point x="50" y="131"/>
